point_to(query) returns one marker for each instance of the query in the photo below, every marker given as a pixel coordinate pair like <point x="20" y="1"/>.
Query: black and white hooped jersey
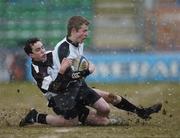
<point x="47" y="78"/>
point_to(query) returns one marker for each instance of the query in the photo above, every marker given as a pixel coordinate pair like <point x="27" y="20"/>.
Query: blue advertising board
<point x="120" y="67"/>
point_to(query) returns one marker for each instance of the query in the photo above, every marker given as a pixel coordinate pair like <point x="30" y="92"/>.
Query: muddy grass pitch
<point x="17" y="98"/>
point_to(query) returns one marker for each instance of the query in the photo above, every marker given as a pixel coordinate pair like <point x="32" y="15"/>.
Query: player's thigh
<point x="108" y="97"/>
<point x="102" y="93"/>
<point x="101" y="106"/>
<point x="87" y="96"/>
<point x="93" y="99"/>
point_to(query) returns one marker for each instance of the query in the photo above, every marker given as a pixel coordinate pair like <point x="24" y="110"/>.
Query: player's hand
<point x="91" y="67"/>
<point x="66" y="63"/>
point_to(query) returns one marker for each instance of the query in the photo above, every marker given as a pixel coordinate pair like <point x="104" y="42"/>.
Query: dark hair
<point x="76" y="22"/>
<point x="29" y="43"/>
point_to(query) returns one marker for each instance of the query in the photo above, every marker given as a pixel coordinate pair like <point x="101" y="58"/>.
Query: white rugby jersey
<point x="66" y="48"/>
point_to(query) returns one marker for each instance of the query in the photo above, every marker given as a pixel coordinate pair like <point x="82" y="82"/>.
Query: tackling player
<point x="67" y="95"/>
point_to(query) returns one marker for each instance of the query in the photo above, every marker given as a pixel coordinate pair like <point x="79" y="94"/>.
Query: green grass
<point x="17" y="98"/>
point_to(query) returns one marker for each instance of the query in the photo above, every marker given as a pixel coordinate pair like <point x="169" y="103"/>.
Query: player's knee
<point x="102" y="107"/>
<point x="112" y="98"/>
<point x="105" y="108"/>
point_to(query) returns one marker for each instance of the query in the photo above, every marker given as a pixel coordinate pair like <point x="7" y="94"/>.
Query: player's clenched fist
<point x="65" y="64"/>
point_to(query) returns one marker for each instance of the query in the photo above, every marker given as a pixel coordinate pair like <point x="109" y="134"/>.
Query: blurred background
<point x="129" y="41"/>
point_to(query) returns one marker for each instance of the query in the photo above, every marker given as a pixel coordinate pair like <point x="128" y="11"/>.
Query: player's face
<point x="82" y="33"/>
<point x="38" y="52"/>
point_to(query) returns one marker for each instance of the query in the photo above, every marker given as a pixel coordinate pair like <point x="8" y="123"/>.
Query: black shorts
<point x="79" y="111"/>
<point x="85" y="97"/>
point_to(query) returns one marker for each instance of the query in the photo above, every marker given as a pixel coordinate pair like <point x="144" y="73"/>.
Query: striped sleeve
<point x="63" y="51"/>
<point x="46" y="83"/>
<point x="38" y="78"/>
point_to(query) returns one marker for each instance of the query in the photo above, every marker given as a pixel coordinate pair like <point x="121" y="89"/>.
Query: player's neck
<point x="73" y="40"/>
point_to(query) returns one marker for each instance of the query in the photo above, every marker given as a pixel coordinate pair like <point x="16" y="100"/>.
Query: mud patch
<point x="11" y="117"/>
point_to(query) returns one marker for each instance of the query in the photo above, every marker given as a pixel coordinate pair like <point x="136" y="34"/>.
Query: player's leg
<point x="89" y="97"/>
<point x="94" y="119"/>
<point x="55" y="120"/>
<point x="88" y="116"/>
<point x="93" y="99"/>
<point x="58" y="120"/>
<point x="122" y="103"/>
<point x="101" y="115"/>
<point x="102" y="107"/>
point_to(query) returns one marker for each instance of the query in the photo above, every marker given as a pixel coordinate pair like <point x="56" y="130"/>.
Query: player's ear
<point x="73" y="30"/>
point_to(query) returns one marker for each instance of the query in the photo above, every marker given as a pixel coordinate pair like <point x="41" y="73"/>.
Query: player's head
<point x="77" y="28"/>
<point x="35" y="49"/>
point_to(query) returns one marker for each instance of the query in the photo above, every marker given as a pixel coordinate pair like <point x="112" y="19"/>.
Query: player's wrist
<point x="62" y="71"/>
<point x="60" y="76"/>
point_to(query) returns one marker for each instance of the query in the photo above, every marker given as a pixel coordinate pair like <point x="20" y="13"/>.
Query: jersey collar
<point x="74" y="44"/>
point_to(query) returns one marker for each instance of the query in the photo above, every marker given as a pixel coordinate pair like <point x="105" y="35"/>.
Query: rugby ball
<point x="80" y="64"/>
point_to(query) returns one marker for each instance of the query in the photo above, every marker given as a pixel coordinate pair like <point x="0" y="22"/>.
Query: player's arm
<point x="91" y="67"/>
<point x="46" y="83"/>
<point x="60" y="82"/>
<point x="63" y="53"/>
